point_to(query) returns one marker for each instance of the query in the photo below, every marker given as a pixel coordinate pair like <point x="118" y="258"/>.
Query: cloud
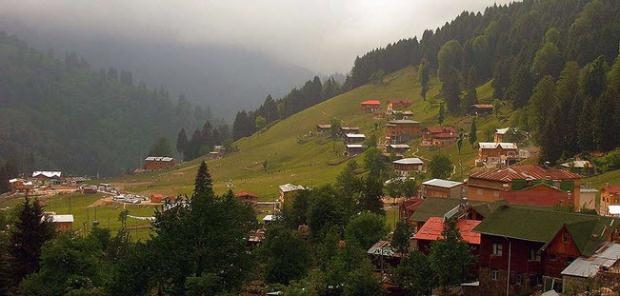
<point x="321" y="35"/>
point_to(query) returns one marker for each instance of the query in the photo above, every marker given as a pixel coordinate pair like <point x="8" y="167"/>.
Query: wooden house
<point x="354" y="149"/>
<point x="247" y="197"/>
<point x="397" y="149"/>
<point x="498" y="136"/>
<point x="610" y="200"/>
<point x="354" y="138"/>
<point x="481" y="109"/>
<point x="525" y="249"/>
<point x="488" y="185"/>
<point x="44" y="177"/>
<point x="441" y="188"/>
<point x="490" y="154"/>
<point x="402" y="130"/>
<point x="349" y="130"/>
<point x="152" y="163"/>
<point x="322" y="128"/>
<point x="407" y="166"/>
<point x="371" y="106"/>
<point x="62" y="223"/>
<point x="20" y="185"/>
<point x="438" y="136"/>
<point x="288" y="192"/>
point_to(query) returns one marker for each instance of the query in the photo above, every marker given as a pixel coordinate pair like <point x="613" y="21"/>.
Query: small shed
<point x="370" y="106"/>
<point x="354" y="138"/>
<point x="407" y="166"/>
<point x="62" y="223"/>
<point x="354" y="149"/>
<point x="481" y="109"/>
<point x="321" y="128"/>
<point x="398" y="149"/>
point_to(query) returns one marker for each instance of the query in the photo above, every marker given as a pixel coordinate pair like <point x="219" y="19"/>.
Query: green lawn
<point x="295" y="154"/>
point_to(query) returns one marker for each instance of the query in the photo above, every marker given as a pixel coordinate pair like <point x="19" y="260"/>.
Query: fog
<point x="323" y="36"/>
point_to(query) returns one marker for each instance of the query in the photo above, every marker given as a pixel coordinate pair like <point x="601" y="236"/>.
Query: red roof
<point x="440" y="129"/>
<point x="245" y="194"/>
<point x="539" y="195"/>
<point x="371" y="102"/>
<point x="411" y="204"/>
<point x="527" y="172"/>
<point x="483" y="106"/>
<point x="433" y="228"/>
<point x="613" y="189"/>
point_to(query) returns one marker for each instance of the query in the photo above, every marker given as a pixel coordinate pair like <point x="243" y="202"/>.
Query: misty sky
<point x="323" y="36"/>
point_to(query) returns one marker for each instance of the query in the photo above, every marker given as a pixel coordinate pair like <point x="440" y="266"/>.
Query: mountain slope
<point x="206" y="74"/>
<point x="293" y="156"/>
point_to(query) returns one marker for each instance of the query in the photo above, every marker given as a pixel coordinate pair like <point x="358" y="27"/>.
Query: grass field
<point x="295" y="154"/>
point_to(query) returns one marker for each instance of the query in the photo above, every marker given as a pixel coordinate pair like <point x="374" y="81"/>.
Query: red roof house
<point x="541" y="195"/>
<point x="246" y="196"/>
<point x="438" y="136"/>
<point x="371" y="106"/>
<point x="434" y="227"/>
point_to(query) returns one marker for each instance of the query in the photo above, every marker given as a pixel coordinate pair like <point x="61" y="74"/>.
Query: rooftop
<point x="290" y="187"/>
<point x="492" y="145"/>
<point x="434" y="207"/>
<point x="442" y="183"/>
<point x="483" y="106"/>
<point x="159" y="158"/>
<point x="434" y="227"/>
<point x="412" y="160"/>
<point x="371" y="102"/>
<point x="403" y="121"/>
<point x="542" y="225"/>
<point x="48" y="174"/>
<point x="613" y="189"/>
<point x="502" y="131"/>
<point x="401" y="146"/>
<point x="527" y="172"/>
<point x="61" y="218"/>
<point x="355" y="145"/>
<point x="355" y="135"/>
<point x="588" y="267"/>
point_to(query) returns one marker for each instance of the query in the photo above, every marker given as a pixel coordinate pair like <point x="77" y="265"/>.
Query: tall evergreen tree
<point x="182" y="142"/>
<point x="473" y="131"/>
<point x="28" y="234"/>
<point x="423" y="77"/>
<point x="441" y="114"/>
<point x="449" y="59"/>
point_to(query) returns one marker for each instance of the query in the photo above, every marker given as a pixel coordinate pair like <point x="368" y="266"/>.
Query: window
<point x="494" y="274"/>
<point x="518" y="279"/>
<point x="497" y="249"/>
<point x="534" y="255"/>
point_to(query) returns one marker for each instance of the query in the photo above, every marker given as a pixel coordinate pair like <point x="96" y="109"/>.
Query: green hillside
<point x="294" y="153"/>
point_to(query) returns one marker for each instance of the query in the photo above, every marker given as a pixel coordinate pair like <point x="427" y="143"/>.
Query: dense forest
<point x="549" y="59"/>
<point x="60" y="114"/>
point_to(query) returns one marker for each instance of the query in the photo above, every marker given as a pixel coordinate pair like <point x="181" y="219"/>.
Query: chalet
<point x="349" y="130"/>
<point x="526" y="249"/>
<point x="407" y="166"/>
<point x="438" y="136"/>
<point x="487" y="185"/>
<point x="431" y="207"/>
<point x="152" y="163"/>
<point x="247" y="197"/>
<point x="354" y="138"/>
<point x="21" y="185"/>
<point x="540" y="195"/>
<point x="90" y="189"/>
<point x="610" y="200"/>
<point x="434" y="227"/>
<point x="481" y="109"/>
<point x="321" y="128"/>
<point x="62" y="223"/>
<point x="397" y="149"/>
<point x="288" y="192"/>
<point x="601" y="270"/>
<point x="442" y="188"/>
<point x="491" y="154"/>
<point x="354" y="149"/>
<point x="498" y="137"/>
<point x="371" y="106"/>
<point x="400" y="104"/>
<point x="402" y="130"/>
<point x="587" y="199"/>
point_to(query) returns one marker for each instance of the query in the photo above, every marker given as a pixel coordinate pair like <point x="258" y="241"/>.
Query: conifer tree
<point x="182" y="142"/>
<point x="423" y="77"/>
<point x="441" y="116"/>
<point x="473" y="137"/>
<point x="28" y="234"/>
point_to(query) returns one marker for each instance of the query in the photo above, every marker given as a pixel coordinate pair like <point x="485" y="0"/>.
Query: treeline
<point x="313" y="92"/>
<point x="203" y="140"/>
<point x="60" y="114"/>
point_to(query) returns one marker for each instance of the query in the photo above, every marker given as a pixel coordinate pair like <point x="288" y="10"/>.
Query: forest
<point x="60" y="114"/>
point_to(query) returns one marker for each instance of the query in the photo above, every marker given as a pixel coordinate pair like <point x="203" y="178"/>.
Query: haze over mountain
<point x="223" y="51"/>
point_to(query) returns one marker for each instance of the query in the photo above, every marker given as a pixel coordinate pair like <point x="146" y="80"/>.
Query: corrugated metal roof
<point x="383" y="248"/>
<point x="434" y="227"/>
<point x="61" y="218"/>
<point x="502" y="131"/>
<point x="442" y="183"/>
<point x="590" y="266"/>
<point x="355" y="135"/>
<point x="397" y="146"/>
<point x="403" y="121"/>
<point x="355" y="145"/>
<point x="492" y="145"/>
<point x="614" y="210"/>
<point x="371" y="102"/>
<point x="159" y="158"/>
<point x="411" y="160"/>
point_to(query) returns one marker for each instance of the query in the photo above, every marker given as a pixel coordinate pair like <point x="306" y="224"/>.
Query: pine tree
<point x="473" y="138"/>
<point x="449" y="59"/>
<point x="203" y="184"/>
<point x="423" y="77"/>
<point x="182" y="143"/>
<point x="371" y="195"/>
<point x="441" y="114"/>
<point x="28" y="235"/>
